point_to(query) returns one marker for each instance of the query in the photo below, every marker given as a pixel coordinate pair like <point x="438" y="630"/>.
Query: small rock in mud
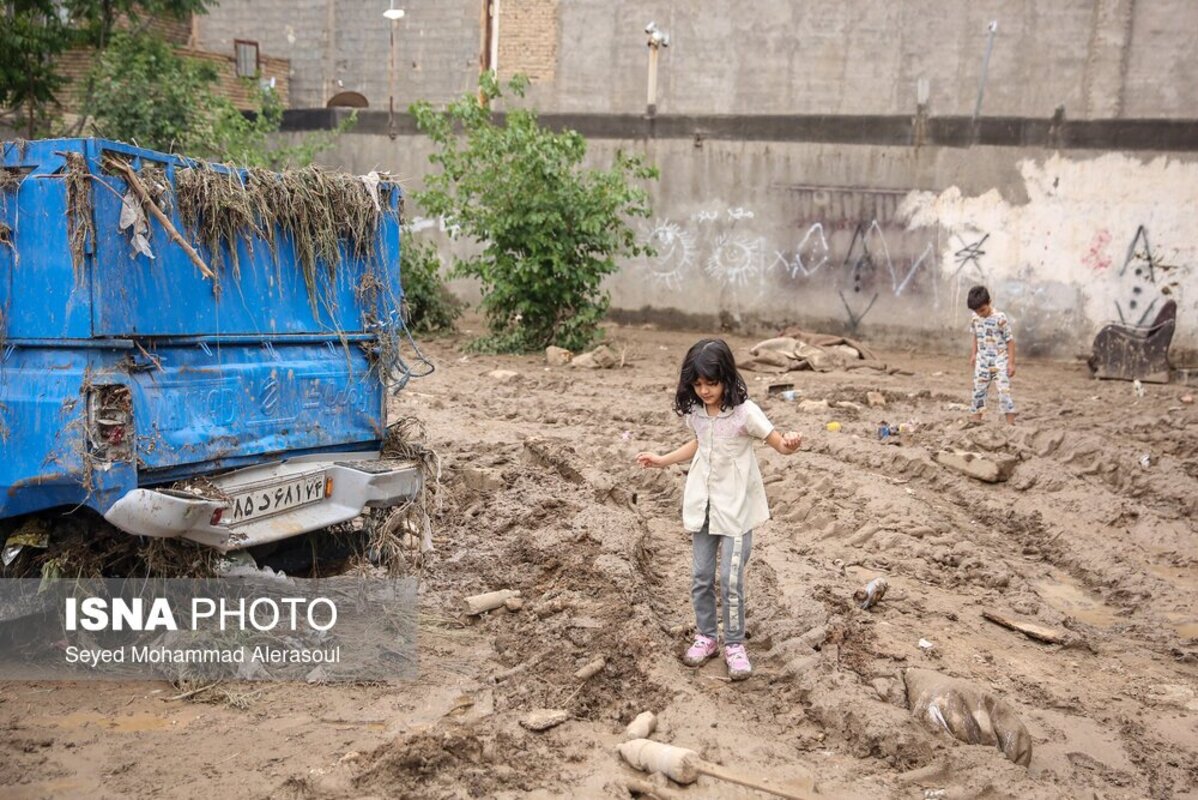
<point x="544" y="719"/>
<point x="557" y="356"/>
<point x="988" y="467"/>
<point x="875" y="399"/>
<point x="600" y="358"/>
<point x="503" y="376"/>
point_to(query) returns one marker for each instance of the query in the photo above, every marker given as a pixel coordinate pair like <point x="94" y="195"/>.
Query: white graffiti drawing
<point x="867" y="260"/>
<point x="675" y="248"/>
<point x="898" y="289"/>
<point x="810" y="256"/>
<point x="705" y="216"/>
<point x="739" y="213"/>
<point x="735" y="259"/>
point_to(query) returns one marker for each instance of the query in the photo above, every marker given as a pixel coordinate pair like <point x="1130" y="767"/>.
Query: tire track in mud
<point x="1026" y="525"/>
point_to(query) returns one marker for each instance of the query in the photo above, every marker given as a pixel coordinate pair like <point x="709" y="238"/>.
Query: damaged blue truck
<point x="192" y="351"/>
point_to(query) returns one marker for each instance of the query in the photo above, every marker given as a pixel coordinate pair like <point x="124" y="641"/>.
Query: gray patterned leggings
<point x="733" y="557"/>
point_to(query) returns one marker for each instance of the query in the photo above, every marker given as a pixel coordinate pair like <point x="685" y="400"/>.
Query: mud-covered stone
<point x="967" y="712"/>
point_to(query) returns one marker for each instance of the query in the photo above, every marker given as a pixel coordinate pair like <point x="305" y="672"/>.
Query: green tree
<point x="32" y="35"/>
<point x="550" y="228"/>
<point x="145" y="92"/>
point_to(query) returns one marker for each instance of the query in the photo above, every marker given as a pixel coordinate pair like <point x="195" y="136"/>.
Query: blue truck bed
<point x="120" y="371"/>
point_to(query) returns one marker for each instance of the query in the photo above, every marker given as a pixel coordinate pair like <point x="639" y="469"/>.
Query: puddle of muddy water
<point x="1067" y="596"/>
<point x="63" y="787"/>
<point x="1185" y="578"/>
<point x="134" y="723"/>
<point x="1186" y="626"/>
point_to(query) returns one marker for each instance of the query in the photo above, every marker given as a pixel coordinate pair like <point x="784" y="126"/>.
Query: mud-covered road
<point x="541" y="494"/>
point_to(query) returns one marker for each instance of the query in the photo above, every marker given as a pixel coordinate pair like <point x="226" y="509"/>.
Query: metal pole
<point x="495" y="39"/>
<point x="391" y="131"/>
<point x="652" y="104"/>
<point x="977" y="109"/>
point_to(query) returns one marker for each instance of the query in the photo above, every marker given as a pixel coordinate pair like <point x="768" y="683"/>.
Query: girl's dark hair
<point x="710" y="359"/>
<point x="977" y="297"/>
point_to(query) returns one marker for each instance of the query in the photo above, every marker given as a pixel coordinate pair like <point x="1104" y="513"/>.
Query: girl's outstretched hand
<point x="650" y="460"/>
<point x="791" y="441"/>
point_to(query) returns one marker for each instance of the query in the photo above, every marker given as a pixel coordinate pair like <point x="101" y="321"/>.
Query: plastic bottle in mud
<point x="869" y="595"/>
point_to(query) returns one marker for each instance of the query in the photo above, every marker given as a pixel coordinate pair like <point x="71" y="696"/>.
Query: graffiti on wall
<point x="969" y="258"/>
<point x="853" y="258"/>
<point x="809" y="257"/>
<point x="674" y="249"/>
<point x="1144" y="280"/>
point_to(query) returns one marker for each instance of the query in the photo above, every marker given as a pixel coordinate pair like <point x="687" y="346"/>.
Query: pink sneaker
<point x="704" y="648"/>
<point x="737" y="660"/>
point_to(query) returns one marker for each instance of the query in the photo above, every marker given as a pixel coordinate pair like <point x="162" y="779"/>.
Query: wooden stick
<point x="685" y="766"/>
<point x="192" y="693"/>
<point x="1028" y="629"/>
<point x="762" y="785"/>
<point x="144" y="195"/>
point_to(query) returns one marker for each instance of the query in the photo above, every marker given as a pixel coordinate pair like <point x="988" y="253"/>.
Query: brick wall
<point x="528" y="38"/>
<point x="76" y="64"/>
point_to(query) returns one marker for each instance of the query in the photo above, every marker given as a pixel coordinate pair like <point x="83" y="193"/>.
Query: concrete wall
<point x="345" y="46"/>
<point x="1097" y="58"/>
<point x="799" y="183"/>
<point x="884" y="241"/>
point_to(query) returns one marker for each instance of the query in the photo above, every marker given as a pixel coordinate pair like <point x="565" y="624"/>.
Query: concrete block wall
<point x="1096" y="58"/>
<point x="346" y="46"/>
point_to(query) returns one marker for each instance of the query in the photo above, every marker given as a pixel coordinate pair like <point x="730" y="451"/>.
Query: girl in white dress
<point x="724" y="497"/>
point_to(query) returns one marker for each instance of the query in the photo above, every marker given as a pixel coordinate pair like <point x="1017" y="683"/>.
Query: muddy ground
<point x="541" y="494"/>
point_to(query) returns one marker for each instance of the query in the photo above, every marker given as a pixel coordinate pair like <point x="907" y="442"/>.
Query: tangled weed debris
<point x="392" y="533"/>
<point x="80" y="224"/>
<point x="327" y="215"/>
<point x="83" y="547"/>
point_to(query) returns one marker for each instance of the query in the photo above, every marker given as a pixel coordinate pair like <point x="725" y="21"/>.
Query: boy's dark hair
<point x="710" y="359"/>
<point x="978" y="297"/>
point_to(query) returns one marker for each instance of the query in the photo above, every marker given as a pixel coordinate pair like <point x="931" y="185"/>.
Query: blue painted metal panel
<point x="41" y="296"/>
<point x="213" y="403"/>
<point x="45" y="454"/>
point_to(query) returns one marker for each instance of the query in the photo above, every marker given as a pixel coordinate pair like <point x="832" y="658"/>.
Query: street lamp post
<point x="394" y="15"/>
<point x="657" y="40"/>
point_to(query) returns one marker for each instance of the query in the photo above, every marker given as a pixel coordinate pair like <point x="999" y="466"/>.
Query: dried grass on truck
<point x="393" y="532"/>
<point x="327" y="215"/>
<point x="81" y="225"/>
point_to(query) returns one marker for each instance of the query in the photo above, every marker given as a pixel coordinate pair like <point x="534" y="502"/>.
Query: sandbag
<point x="967" y="712"/>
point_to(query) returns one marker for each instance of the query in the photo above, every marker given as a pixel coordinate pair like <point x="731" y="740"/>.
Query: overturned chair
<point x="1135" y="352"/>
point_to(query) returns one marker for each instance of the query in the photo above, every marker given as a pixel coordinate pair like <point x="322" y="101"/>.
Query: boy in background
<point x="993" y="354"/>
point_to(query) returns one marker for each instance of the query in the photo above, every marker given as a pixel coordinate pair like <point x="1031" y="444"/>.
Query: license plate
<point x="266" y="500"/>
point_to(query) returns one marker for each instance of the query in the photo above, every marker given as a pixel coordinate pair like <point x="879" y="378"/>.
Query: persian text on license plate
<point x="273" y="498"/>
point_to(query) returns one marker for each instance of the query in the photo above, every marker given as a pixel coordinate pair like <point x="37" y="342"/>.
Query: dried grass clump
<point x="158" y="185"/>
<point x="389" y="536"/>
<point x="10" y="179"/>
<point x="84" y="547"/>
<point x="80" y="222"/>
<point x="326" y="215"/>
